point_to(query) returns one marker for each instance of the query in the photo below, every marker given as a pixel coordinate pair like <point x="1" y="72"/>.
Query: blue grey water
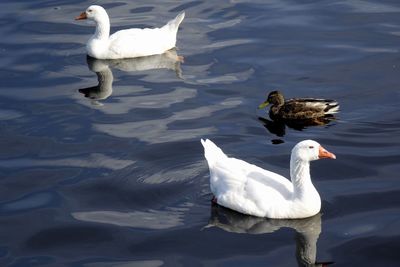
<point x="112" y="173"/>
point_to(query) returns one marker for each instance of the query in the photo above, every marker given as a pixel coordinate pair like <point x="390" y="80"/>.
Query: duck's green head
<point x="274" y="98"/>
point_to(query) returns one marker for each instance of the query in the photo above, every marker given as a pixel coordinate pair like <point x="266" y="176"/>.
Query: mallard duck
<point x="128" y="43"/>
<point x="298" y="108"/>
<point x="251" y="190"/>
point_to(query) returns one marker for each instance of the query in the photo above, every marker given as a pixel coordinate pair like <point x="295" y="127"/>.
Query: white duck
<point x="251" y="190"/>
<point x="128" y="43"/>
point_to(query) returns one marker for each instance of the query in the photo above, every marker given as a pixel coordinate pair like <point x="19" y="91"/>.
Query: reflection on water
<point x="158" y="130"/>
<point x="307" y="230"/>
<point x="145" y="263"/>
<point x="278" y="127"/>
<point x="152" y="219"/>
<point x="105" y="78"/>
<point x="95" y="160"/>
<point x="102" y="68"/>
<point x="29" y="202"/>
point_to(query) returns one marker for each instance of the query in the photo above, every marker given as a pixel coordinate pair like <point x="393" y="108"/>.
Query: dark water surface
<point x="118" y="178"/>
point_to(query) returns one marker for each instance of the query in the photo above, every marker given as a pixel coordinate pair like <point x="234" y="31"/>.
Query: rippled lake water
<point x="101" y="163"/>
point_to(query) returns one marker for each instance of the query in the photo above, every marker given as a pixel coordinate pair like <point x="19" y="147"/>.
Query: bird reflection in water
<point x="307" y="230"/>
<point x="102" y="68"/>
<point x="278" y="127"/>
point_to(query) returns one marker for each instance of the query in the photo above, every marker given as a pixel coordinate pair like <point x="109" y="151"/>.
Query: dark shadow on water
<point x="278" y="127"/>
<point x="307" y="230"/>
<point x="103" y="69"/>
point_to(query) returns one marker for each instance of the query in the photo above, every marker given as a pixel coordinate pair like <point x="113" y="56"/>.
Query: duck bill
<point x="325" y="154"/>
<point x="263" y="105"/>
<point x="81" y="16"/>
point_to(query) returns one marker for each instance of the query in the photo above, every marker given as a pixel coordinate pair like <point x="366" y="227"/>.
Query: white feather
<point x="249" y="189"/>
<point x="129" y="43"/>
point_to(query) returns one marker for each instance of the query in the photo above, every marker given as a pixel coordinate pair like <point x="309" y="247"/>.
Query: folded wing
<point x="243" y="186"/>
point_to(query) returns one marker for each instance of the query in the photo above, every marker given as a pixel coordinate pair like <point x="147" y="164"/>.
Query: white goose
<point x="128" y="43"/>
<point x="251" y="190"/>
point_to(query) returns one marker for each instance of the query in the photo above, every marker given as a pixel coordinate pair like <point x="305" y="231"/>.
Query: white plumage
<point x="251" y="190"/>
<point x="128" y="43"/>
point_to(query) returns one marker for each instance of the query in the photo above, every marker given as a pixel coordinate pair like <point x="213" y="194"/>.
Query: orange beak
<point x="325" y="154"/>
<point x="81" y="16"/>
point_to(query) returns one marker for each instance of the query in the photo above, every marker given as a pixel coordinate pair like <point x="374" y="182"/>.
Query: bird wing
<point x="243" y="186"/>
<point x="140" y="42"/>
<point x="309" y="108"/>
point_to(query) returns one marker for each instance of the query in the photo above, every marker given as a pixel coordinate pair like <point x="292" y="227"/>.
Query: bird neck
<point x="300" y="176"/>
<point x="102" y="28"/>
<point x="276" y="107"/>
<point x="274" y="111"/>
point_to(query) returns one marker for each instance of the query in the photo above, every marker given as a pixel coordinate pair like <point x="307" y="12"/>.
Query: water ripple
<point x="152" y="219"/>
<point x="94" y="160"/>
<point x="157" y="131"/>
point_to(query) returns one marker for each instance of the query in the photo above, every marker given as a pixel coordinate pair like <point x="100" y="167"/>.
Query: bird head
<point x="93" y="12"/>
<point x="274" y="98"/>
<point x="309" y="150"/>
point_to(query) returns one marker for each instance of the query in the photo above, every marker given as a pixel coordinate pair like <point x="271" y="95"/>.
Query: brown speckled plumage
<point x="299" y="108"/>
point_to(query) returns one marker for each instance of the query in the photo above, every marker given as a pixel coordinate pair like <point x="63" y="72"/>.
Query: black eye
<point x="89" y="10"/>
<point x="311" y="147"/>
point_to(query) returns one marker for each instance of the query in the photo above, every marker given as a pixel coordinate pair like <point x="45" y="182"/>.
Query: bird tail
<point x="211" y="152"/>
<point x="174" y="23"/>
<point x="332" y="108"/>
